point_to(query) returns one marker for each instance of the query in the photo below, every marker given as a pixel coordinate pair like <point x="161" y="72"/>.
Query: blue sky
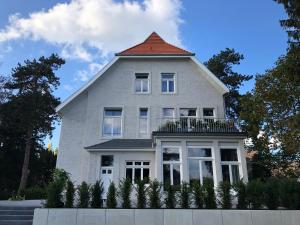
<point x="87" y="33"/>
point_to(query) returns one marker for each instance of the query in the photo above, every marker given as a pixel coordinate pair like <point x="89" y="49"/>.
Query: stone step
<point x="15" y="222"/>
<point x="16" y="212"/>
<point x="16" y="217"/>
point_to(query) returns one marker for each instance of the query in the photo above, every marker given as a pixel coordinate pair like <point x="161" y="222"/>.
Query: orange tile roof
<point x="154" y="45"/>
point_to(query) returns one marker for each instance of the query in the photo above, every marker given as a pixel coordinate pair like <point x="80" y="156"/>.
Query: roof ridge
<point x="154" y="45"/>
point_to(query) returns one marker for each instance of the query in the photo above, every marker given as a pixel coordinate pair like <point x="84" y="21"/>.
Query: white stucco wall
<point x="82" y="118"/>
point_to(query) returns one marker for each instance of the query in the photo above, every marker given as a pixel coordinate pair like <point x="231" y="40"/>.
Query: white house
<point x="153" y="112"/>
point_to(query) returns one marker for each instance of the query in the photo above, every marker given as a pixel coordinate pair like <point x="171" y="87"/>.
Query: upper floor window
<point x="230" y="165"/>
<point x="208" y="114"/>
<point x="188" y="112"/>
<point x="168" y="83"/>
<point x="141" y="84"/>
<point x="168" y="114"/>
<point x="112" y="122"/>
<point x="143" y="121"/>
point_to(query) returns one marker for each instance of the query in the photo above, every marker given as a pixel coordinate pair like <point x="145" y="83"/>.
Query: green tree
<point x="184" y="195"/>
<point x="56" y="188"/>
<point x="141" y="194"/>
<point x="198" y="194"/>
<point x="222" y="66"/>
<point x="292" y="23"/>
<point x="33" y="103"/>
<point x="271" y="193"/>
<point x="209" y="194"/>
<point x="154" y="194"/>
<point x="272" y="109"/>
<point x="111" y="196"/>
<point x="83" y="195"/>
<point x="255" y="190"/>
<point x="170" y="199"/>
<point x="125" y="188"/>
<point x="70" y="194"/>
<point x="97" y="191"/>
<point x="225" y="195"/>
<point x="240" y="189"/>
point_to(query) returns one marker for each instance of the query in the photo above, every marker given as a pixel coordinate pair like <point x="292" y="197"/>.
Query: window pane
<point x="199" y="152"/>
<point x="146" y="174"/>
<point x="192" y="112"/>
<point x="187" y="112"/>
<point x="166" y="174"/>
<point x="235" y="173"/>
<point x="116" y="126"/>
<point x="128" y="163"/>
<point x="228" y="155"/>
<point x="107" y="126"/>
<point x="176" y="174"/>
<point x="184" y="112"/>
<point x="129" y="174"/>
<point x="107" y="160"/>
<point x="164" y="87"/>
<point x="143" y="112"/>
<point x="207" y="170"/>
<point x="145" y="85"/>
<point x="225" y="172"/>
<point x="171" y="86"/>
<point x="170" y="154"/>
<point x="138" y="86"/>
<point x="167" y="76"/>
<point x="208" y="112"/>
<point x="137" y="174"/>
<point x="168" y="112"/>
<point x="138" y="163"/>
<point x="141" y="75"/>
<point x="143" y="126"/>
<point x="194" y="171"/>
<point x="113" y="112"/>
<point x="146" y="163"/>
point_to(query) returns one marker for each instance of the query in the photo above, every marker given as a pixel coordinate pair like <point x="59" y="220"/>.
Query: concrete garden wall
<point x="164" y="217"/>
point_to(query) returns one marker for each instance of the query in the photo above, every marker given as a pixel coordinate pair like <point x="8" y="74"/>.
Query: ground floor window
<point x="138" y="170"/>
<point x="171" y="165"/>
<point x="231" y="173"/>
<point x="199" y="164"/>
<point x="230" y="165"/>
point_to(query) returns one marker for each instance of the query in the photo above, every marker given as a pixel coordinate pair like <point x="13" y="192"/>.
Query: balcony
<point x="195" y="125"/>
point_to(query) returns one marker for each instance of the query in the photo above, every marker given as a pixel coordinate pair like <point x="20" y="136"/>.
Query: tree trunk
<point x="25" y="171"/>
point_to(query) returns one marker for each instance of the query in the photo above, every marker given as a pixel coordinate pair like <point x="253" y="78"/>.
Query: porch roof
<point x="123" y="144"/>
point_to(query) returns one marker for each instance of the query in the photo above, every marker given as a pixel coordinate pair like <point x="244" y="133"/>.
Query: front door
<point x="106" y="178"/>
<point x="106" y="172"/>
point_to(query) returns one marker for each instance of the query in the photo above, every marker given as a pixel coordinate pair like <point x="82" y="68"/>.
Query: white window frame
<point x="121" y="117"/>
<point x="141" y="84"/>
<point x="231" y="163"/>
<point x="171" y="163"/>
<point x="133" y="167"/>
<point x="213" y="117"/>
<point x="201" y="159"/>
<point x="168" y="79"/>
<point x="143" y="117"/>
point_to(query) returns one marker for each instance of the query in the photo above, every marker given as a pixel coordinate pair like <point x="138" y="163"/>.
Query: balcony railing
<point x="197" y="125"/>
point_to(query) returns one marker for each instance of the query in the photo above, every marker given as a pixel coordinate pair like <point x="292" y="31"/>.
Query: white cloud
<point x="86" y="74"/>
<point x="68" y="87"/>
<point x="93" y="28"/>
